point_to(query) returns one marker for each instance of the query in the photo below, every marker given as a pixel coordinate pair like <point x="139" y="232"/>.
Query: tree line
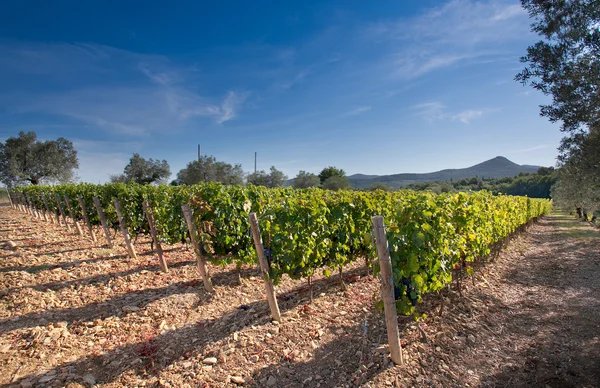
<point x="26" y="160"/>
<point x="565" y="65"/>
<point x="536" y="185"/>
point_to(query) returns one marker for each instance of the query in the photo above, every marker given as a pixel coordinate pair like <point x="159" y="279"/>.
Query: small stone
<point x="26" y="384"/>
<point x="238" y="380"/>
<point x="471" y="339"/>
<point x="10" y="244"/>
<point x="187" y="364"/>
<point x="130" y="309"/>
<point x="89" y="380"/>
<point x="271" y="381"/>
<point x="5" y="348"/>
<point x="210" y="361"/>
<point x="254" y="358"/>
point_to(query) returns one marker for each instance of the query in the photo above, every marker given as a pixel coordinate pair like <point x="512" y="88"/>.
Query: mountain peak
<point x="498" y="167"/>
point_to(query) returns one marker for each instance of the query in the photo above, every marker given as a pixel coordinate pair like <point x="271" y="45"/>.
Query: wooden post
<point x="124" y="231"/>
<point x="21" y="203"/>
<point x="152" y="225"/>
<point x="62" y="212"/>
<point x="387" y="290"/>
<point x="187" y="213"/>
<point x="9" y="198"/>
<point x="33" y="208"/>
<point x="43" y="212"/>
<point x="264" y="267"/>
<point x="103" y="221"/>
<point x="86" y="219"/>
<point x="27" y="204"/>
<point x="75" y="222"/>
<point x="47" y="207"/>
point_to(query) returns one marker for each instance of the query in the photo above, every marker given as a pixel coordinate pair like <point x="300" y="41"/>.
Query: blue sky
<point x="371" y="87"/>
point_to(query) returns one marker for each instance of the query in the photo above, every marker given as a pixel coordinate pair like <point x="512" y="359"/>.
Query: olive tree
<point x="25" y="159"/>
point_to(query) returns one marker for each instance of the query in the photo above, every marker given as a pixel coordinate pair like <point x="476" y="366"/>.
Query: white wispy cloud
<point x="109" y="89"/>
<point x="230" y="106"/>
<point x="435" y="111"/>
<point x="430" y="111"/>
<point x="297" y="79"/>
<point x="359" y="110"/>
<point x="535" y="148"/>
<point x="468" y="115"/>
<point x="458" y="32"/>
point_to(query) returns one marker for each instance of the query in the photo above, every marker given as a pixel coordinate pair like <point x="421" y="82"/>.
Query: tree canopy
<point x="329" y="172"/>
<point x="140" y="170"/>
<point x="274" y="178"/>
<point x="565" y="65"/>
<point x="27" y="159"/>
<point x="306" y="179"/>
<point x="333" y="178"/>
<point x="208" y="169"/>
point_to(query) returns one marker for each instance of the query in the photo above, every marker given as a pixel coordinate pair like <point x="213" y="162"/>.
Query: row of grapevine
<point x="305" y="231"/>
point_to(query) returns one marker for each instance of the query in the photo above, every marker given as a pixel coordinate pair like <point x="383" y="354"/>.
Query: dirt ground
<point x="74" y="313"/>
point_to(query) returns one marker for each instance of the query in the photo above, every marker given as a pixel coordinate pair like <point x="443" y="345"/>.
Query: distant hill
<point x="498" y="167"/>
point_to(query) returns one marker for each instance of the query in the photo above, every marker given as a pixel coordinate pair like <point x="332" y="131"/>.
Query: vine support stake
<point x="44" y="211"/>
<point x="62" y="212"/>
<point x="124" y="231"/>
<point x="187" y="213"/>
<point x="9" y="198"/>
<point x="47" y="208"/>
<point x="387" y="290"/>
<point x="152" y="225"/>
<point x="21" y="203"/>
<point x="86" y="219"/>
<point x="264" y="267"/>
<point x="29" y="206"/>
<point x="103" y="221"/>
<point x="75" y="222"/>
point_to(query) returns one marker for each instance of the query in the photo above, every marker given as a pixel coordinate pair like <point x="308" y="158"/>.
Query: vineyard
<point x="431" y="237"/>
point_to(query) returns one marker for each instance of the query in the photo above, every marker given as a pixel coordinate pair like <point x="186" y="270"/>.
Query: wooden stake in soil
<point x="70" y="210"/>
<point x="44" y="212"/>
<point x="264" y="267"/>
<point x="21" y="200"/>
<point x="9" y="198"/>
<point x="34" y="210"/>
<point x="62" y="212"/>
<point x="152" y="225"/>
<point x="47" y="208"/>
<point x="387" y="290"/>
<point x="103" y="221"/>
<point x="28" y="205"/>
<point x="86" y="219"/>
<point x="124" y="230"/>
<point x="187" y="213"/>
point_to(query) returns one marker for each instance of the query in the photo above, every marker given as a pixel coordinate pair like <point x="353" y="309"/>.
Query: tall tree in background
<point x="566" y="66"/>
<point x="26" y="159"/>
<point x="274" y="178"/>
<point x="306" y="179"/>
<point x="208" y="169"/>
<point x="143" y="171"/>
<point x="333" y="178"/>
